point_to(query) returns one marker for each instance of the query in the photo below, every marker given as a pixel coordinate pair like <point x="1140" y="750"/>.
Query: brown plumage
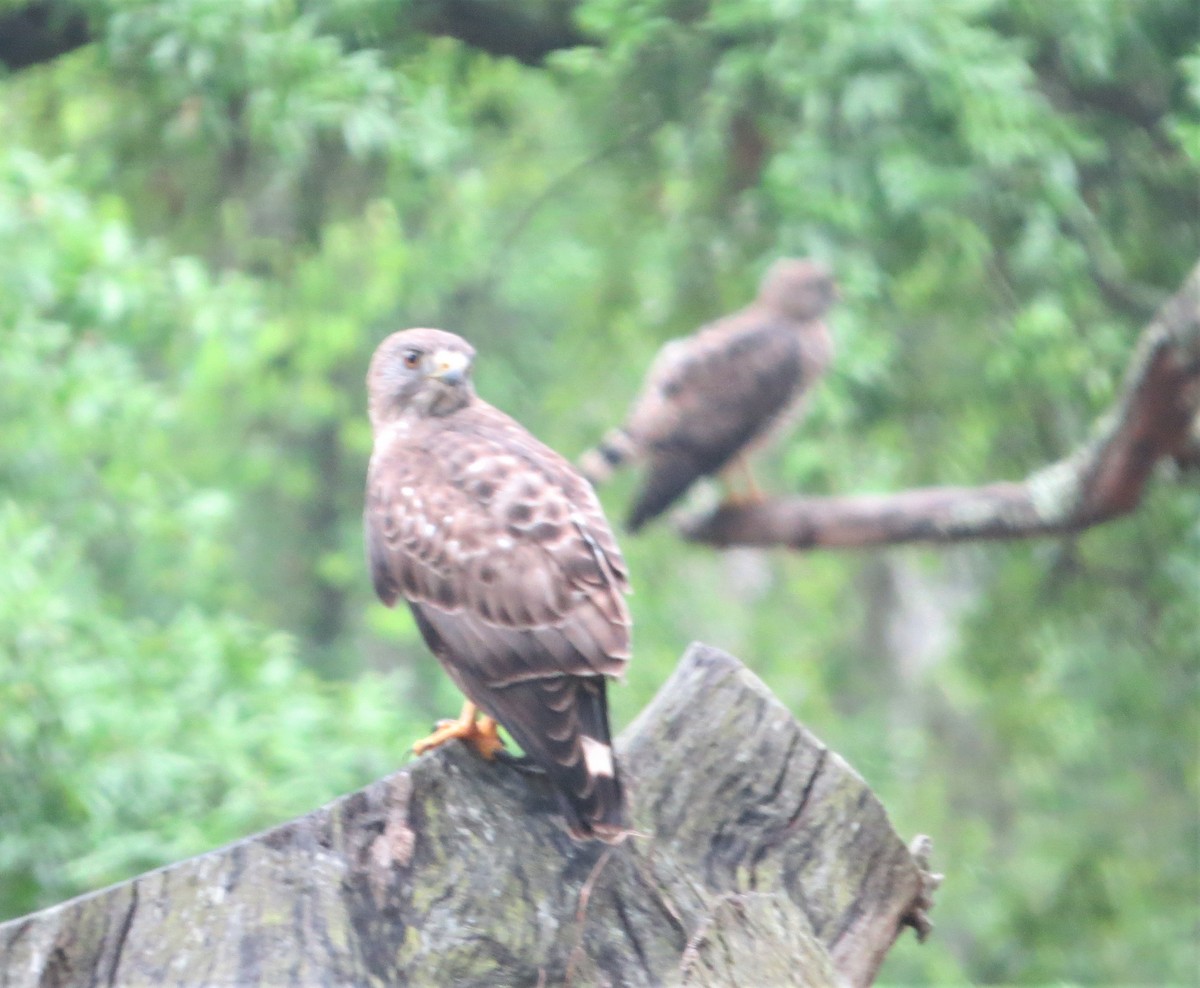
<point x="505" y="558"/>
<point x="713" y="396"/>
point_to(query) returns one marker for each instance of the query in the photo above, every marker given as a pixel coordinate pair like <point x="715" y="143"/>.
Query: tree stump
<point x="764" y="859"/>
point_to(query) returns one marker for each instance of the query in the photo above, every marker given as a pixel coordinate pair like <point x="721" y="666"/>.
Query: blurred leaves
<point x="132" y="692"/>
<point x="209" y="217"/>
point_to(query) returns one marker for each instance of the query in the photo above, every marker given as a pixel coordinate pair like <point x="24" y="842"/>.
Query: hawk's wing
<point x="502" y="547"/>
<point x="516" y="583"/>
<point x="707" y="397"/>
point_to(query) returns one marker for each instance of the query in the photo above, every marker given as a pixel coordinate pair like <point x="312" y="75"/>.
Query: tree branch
<point x="1105" y="478"/>
<point x="41" y="31"/>
<point x="764" y="859"/>
<point x="525" y="31"/>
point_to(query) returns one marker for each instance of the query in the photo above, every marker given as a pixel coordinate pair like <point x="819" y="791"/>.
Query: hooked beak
<point x="449" y="367"/>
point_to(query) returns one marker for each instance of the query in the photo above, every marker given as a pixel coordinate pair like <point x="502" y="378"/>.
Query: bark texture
<point x="1154" y="420"/>
<point x="764" y="860"/>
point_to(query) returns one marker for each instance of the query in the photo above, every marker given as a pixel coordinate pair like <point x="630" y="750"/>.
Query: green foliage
<point x="133" y="693"/>
<point x="209" y="217"/>
<point x="114" y="726"/>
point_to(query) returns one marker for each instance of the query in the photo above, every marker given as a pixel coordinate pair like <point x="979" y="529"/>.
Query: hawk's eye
<point x="412" y="358"/>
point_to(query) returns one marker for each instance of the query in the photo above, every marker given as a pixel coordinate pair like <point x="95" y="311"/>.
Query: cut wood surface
<point x="763" y="860"/>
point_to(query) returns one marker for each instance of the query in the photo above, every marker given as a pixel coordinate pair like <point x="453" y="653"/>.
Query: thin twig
<point x="585" y="896"/>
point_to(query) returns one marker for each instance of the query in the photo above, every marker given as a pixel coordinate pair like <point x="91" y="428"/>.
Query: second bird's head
<point x="798" y="288"/>
<point x="426" y="371"/>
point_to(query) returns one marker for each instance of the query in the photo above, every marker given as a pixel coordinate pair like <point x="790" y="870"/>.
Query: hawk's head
<point x="797" y="288"/>
<point x="424" y="371"/>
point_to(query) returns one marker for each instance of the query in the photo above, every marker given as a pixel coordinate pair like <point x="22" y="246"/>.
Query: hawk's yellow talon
<point x="477" y="730"/>
<point x="751" y="494"/>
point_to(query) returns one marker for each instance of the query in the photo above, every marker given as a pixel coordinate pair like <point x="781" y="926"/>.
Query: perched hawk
<point x="511" y="571"/>
<point x="711" y="397"/>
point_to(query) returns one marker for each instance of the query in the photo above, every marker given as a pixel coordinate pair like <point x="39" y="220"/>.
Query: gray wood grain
<point x="764" y="860"/>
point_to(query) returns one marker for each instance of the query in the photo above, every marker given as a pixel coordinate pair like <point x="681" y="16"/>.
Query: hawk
<point x="511" y="571"/>
<point x="712" y="397"/>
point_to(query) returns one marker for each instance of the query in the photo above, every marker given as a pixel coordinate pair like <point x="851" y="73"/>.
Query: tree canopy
<point x="211" y="212"/>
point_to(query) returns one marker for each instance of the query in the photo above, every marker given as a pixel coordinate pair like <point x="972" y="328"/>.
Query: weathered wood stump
<point x="765" y="860"/>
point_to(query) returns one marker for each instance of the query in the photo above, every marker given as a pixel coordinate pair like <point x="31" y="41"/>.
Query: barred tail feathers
<point x="562" y="724"/>
<point x="615" y="450"/>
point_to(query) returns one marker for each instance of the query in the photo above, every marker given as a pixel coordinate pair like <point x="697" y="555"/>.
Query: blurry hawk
<point x="511" y="571"/>
<point x="712" y="397"/>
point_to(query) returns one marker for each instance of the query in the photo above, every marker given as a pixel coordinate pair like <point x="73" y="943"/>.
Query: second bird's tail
<point x="615" y="450"/>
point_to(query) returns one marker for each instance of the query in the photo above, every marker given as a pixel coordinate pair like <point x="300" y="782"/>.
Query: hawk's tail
<point x="561" y="722"/>
<point x="615" y="450"/>
<point x="671" y="472"/>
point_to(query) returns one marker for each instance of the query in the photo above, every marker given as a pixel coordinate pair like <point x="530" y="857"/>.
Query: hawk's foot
<point x="742" y="499"/>
<point x="739" y="470"/>
<point x="477" y="730"/>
